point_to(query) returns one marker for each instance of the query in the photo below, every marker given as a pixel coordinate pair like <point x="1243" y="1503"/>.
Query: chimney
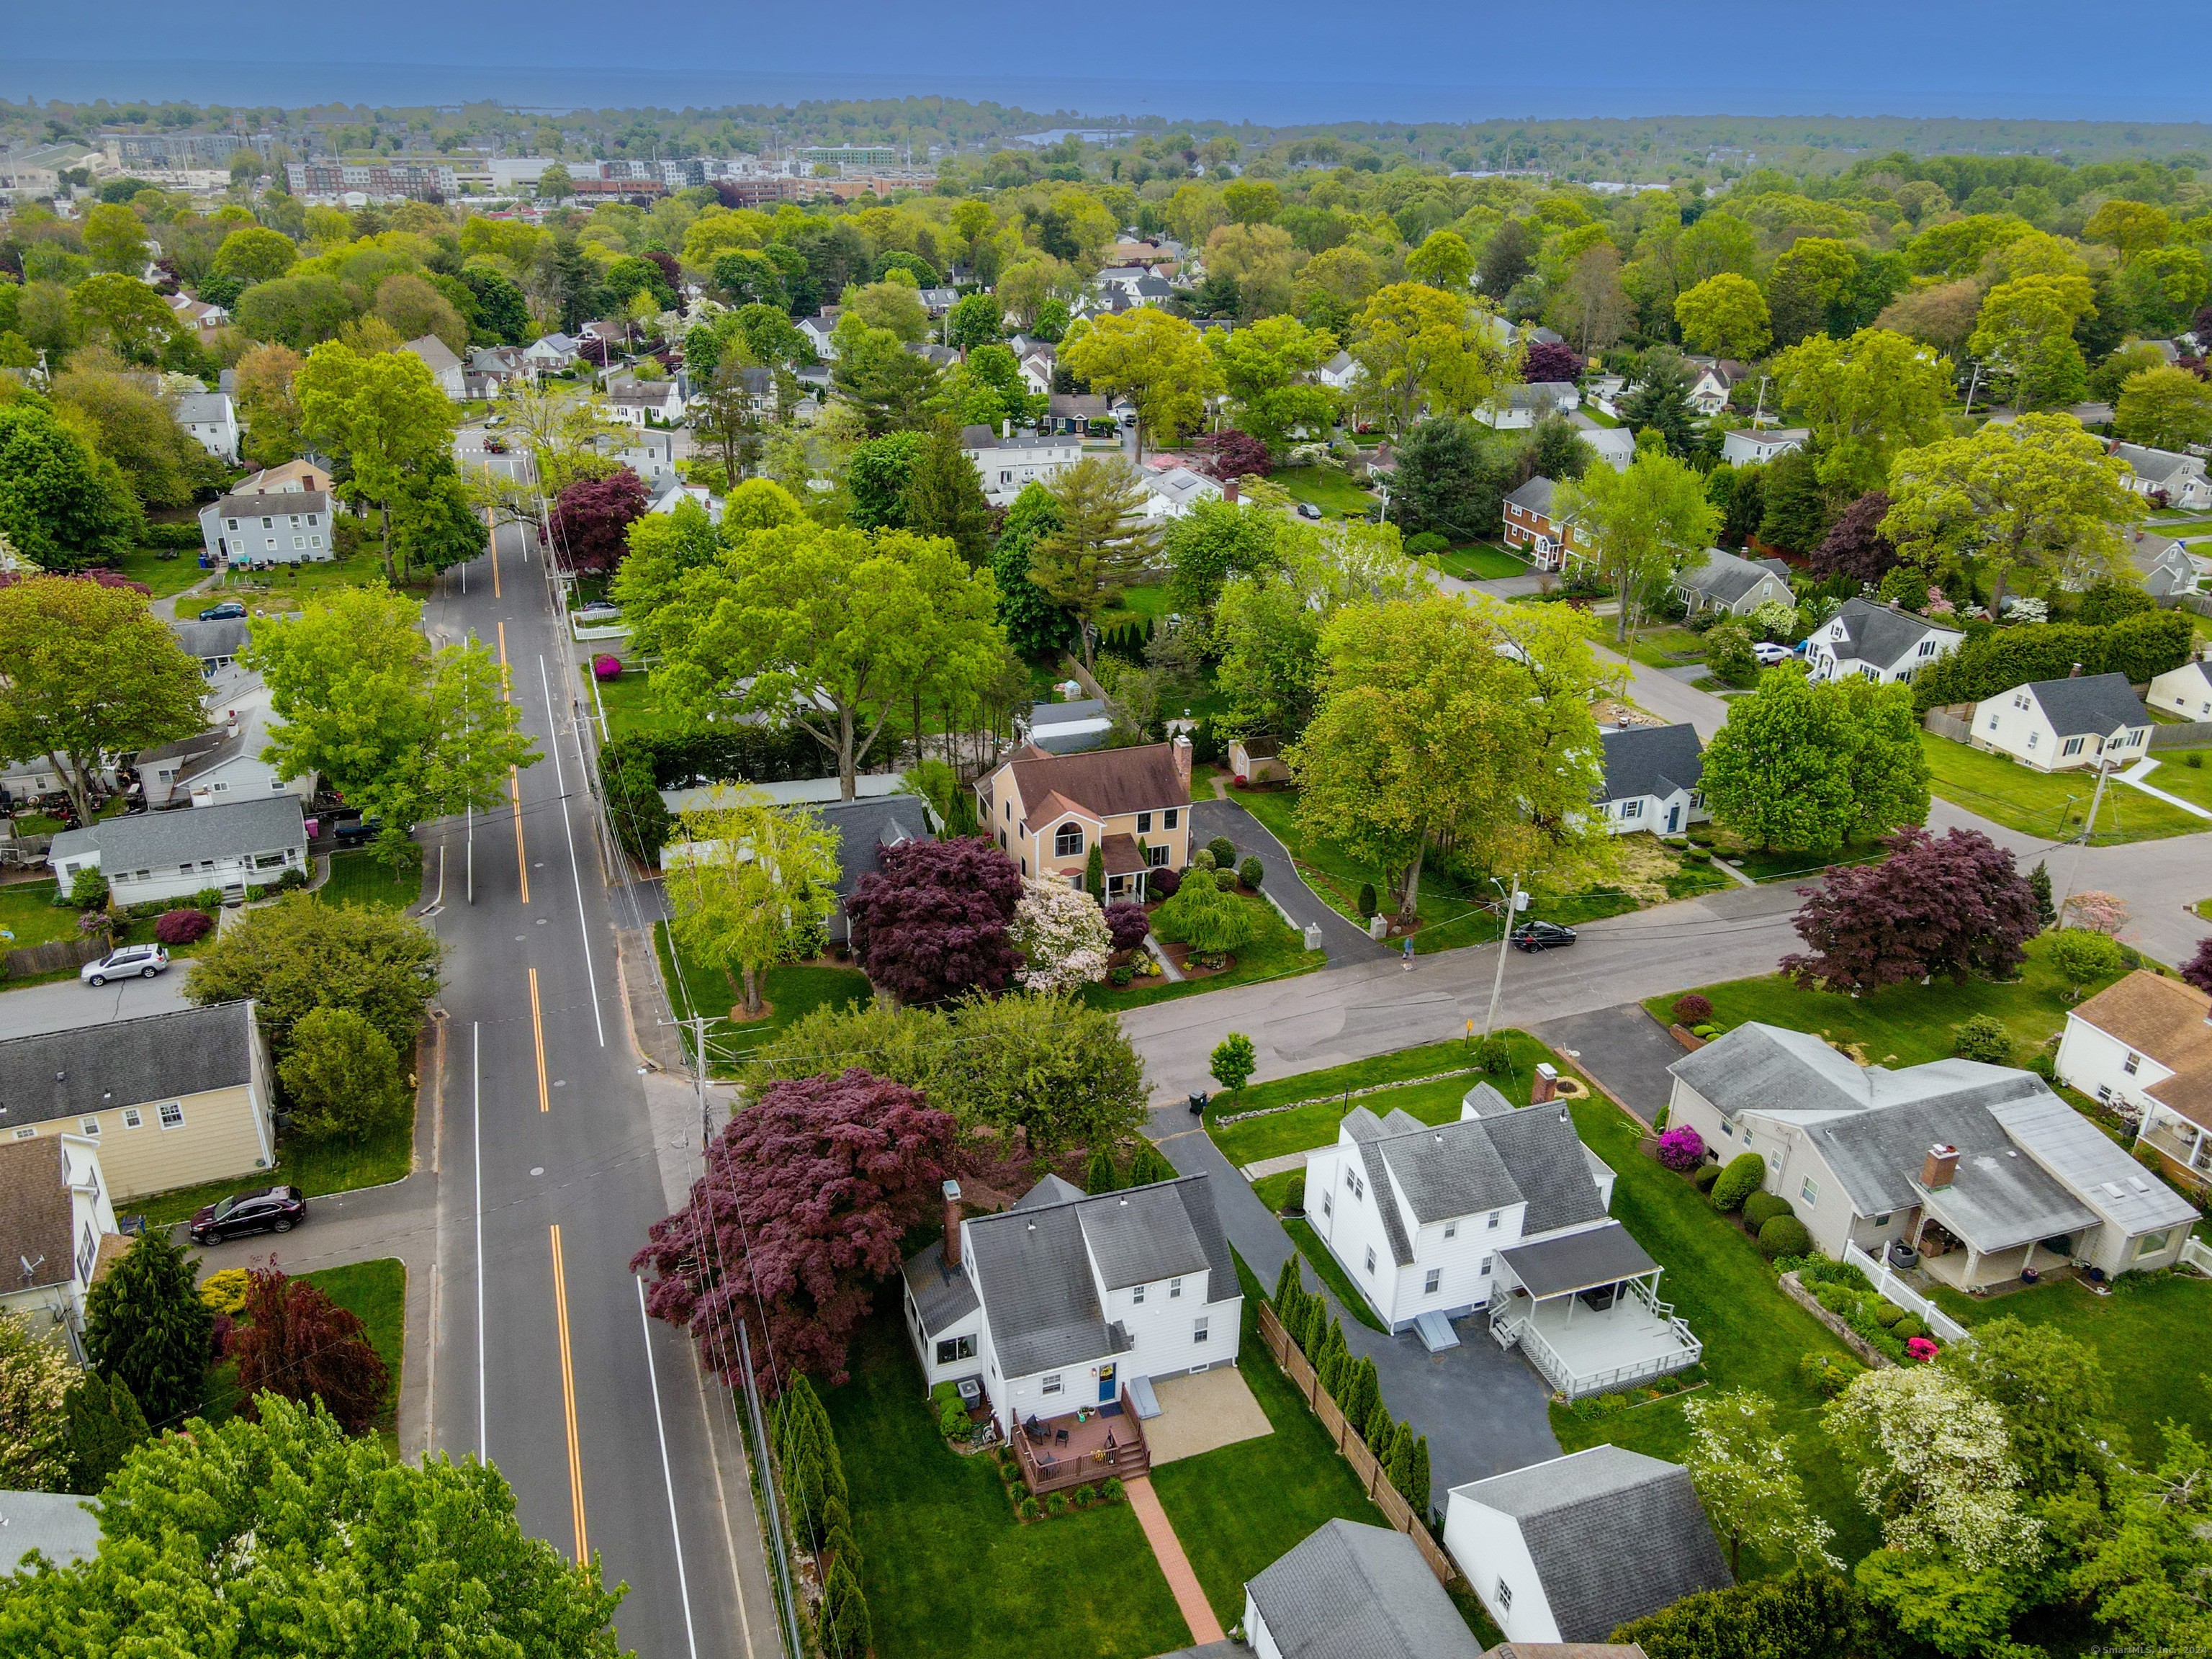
<point x="953" y="1226"/>
<point x="1182" y="748"/>
<point x="2075" y="673"/>
<point x="1006" y="427"/>
<point x="1229" y="491"/>
<point x="1546" y="1086"/>
<point x="1941" y="1164"/>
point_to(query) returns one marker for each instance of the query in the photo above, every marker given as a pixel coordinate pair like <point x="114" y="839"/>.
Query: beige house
<point x="1048" y="811"/>
<point x="55" y="1213"/>
<point x="170" y="1099"/>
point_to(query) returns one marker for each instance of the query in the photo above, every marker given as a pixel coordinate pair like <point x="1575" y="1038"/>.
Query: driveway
<point x="1623" y="1048"/>
<point x="1483" y="1411"/>
<point x="63" y="1004"/>
<point x="1341" y="938"/>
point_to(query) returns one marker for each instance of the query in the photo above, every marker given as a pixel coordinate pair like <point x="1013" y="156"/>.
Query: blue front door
<point x="1105" y="1385"/>
<point x="1673" y="816"/>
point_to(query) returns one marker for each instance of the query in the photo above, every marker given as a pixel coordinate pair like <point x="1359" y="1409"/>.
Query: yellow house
<point x="170" y="1099"/>
<point x="1048" y="811"/>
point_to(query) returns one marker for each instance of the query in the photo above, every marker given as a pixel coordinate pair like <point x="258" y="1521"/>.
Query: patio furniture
<point x="1060" y="1436"/>
<point x="1035" y="1429"/>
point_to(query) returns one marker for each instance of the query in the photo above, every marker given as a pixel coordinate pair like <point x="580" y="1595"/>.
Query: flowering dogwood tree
<point x="2101" y="913"/>
<point x="1748" y="1479"/>
<point x="1062" y="934"/>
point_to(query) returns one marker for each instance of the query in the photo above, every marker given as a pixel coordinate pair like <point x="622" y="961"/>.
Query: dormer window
<point x="1067" y="841"/>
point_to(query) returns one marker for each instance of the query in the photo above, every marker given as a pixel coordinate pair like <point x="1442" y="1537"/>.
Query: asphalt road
<point x="63" y="1004"/>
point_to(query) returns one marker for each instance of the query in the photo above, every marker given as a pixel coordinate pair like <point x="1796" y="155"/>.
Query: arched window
<point x="1067" y="841"/>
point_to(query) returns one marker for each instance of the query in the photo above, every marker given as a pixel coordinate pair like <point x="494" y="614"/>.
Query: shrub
<point x="1783" y="1234"/>
<point x="182" y="927"/>
<point x="1738" y="1181"/>
<point x="1888" y="1314"/>
<point x="1163" y="883"/>
<point x="1119" y="976"/>
<point x="1427" y="545"/>
<point x="1921" y="1349"/>
<point x="1691" y="1009"/>
<point x="88" y="890"/>
<point x="1055" y="1502"/>
<point x="1249" y="873"/>
<point x="1294" y="1192"/>
<point x="1111" y="1492"/>
<point x="291" y="880"/>
<point x="1762" y="1207"/>
<point x="606" y="666"/>
<point x="1700" y="854"/>
<point x="1825" y="1271"/>
<point x="1983" y="1037"/>
<point x="1908" y="1328"/>
<point x="225" y="1291"/>
<point x="952" y="1415"/>
<point x="1128" y="924"/>
<point x="1492" y="1055"/>
<point x="208" y="899"/>
<point x="1031" y="1508"/>
<point x="1682" y="1149"/>
<point x="1367" y="906"/>
<point x="1224" y="851"/>
<point x="1707" y="1175"/>
<point x="1827" y="1374"/>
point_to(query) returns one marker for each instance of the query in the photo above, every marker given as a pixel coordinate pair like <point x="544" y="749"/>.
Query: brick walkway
<point x="1167" y="1548"/>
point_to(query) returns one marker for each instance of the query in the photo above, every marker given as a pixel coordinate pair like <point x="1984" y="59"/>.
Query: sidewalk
<point x="1175" y="1566"/>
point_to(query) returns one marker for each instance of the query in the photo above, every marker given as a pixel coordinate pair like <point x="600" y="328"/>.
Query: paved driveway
<point x="1341" y="938"/>
<point x="1625" y="1049"/>
<point x="65" y="1004"/>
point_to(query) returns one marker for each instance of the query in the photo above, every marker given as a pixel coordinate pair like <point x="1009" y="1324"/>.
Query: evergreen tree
<point x="1034" y="625"/>
<point x="103" y="1424"/>
<point x="1289" y="1284"/>
<point x="146" y="1326"/>
<point x="1101" y="1177"/>
<point x="1416" y="1488"/>
<point x="1149" y="1165"/>
<point x="2039" y="883"/>
<point x="843" y="1624"/>
<point x="1380" y="1430"/>
<point x="1402" y="1460"/>
<point x="944" y="497"/>
<point x="1094" y="872"/>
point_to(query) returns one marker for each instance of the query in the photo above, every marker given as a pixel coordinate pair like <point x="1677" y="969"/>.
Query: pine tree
<point x="2039" y="883"/>
<point x="1094" y="872"/>
<point x="104" y="1423"/>
<point x="1381" y="1431"/>
<point x="146" y="1326"/>
<point x="1102" y="1176"/>
<point x="1416" y="1488"/>
<point x="944" y="497"/>
<point x="1150" y="1165"/>
<point x="843" y="1624"/>
<point x="1401" y="1460"/>
<point x="1288" y="1284"/>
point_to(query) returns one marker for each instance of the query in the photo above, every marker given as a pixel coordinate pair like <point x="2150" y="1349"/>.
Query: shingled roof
<point x="1651" y="760"/>
<point x="1102" y="782"/>
<point x="1877" y="634"/>
<point x="1528" y="1157"/>
<point x="1354" y="1591"/>
<point x="2089" y="705"/>
<point x="125" y="1062"/>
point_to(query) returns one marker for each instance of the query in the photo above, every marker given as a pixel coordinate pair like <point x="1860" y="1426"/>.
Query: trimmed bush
<point x="1762" y="1207"/>
<point x="1163" y="883"/>
<point x="1294" y="1195"/>
<point x="1691" y="1009"/>
<point x="1367" y="906"/>
<point x="1783" y="1234"/>
<point x="1707" y="1174"/>
<point x="606" y="666"/>
<point x="182" y="927"/>
<point x="1249" y="873"/>
<point x="1224" y="851"/>
<point x="1427" y="545"/>
<point x="1738" y="1181"/>
<point x="1493" y="1055"/>
<point x="1119" y="976"/>
<point x="1908" y="1328"/>
<point x="1827" y="1374"/>
<point x="1031" y="1508"/>
<point x="1888" y="1314"/>
<point x="1983" y="1037"/>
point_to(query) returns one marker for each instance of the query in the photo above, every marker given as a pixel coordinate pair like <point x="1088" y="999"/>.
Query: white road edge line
<point x="476" y="1069"/>
<point x="667" y="1473"/>
<point x="569" y="832"/>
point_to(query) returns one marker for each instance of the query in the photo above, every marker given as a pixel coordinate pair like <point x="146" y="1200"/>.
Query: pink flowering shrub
<point x="1681" y="1149"/>
<point x="1920" y="1348"/>
<point x="606" y="666"/>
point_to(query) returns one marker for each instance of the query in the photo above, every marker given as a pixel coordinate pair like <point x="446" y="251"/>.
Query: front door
<point x="1105" y="1385"/>
<point x="1673" y="816"/>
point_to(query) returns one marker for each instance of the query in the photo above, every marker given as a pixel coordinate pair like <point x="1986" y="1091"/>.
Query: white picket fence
<point x="1888" y="1285"/>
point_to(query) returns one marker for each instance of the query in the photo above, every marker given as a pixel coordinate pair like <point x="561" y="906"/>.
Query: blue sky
<point x="1293" y="60"/>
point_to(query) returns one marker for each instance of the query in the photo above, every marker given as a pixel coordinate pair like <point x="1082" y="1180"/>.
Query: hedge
<point x="1739" y="1181"/>
<point x="1783" y="1234"/>
<point x="1762" y="1207"/>
<point x="2141" y="647"/>
<point x="182" y="537"/>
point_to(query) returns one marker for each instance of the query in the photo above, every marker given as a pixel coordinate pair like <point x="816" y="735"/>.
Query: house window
<point x="1494" y="1216"/>
<point x="956" y="1348"/>
<point x="1993" y="722"/>
<point x="1370" y="1261"/>
<point x="1137" y="1296"/>
<point x="90" y="1125"/>
<point x="2105" y="1093"/>
<point x="268" y="523"/>
<point x="1175" y="1289"/>
<point x="2073" y="746"/>
<point x="1504" y="1596"/>
<point x="131" y="1117"/>
<point x="2131" y="1063"/>
<point x="1727" y="1129"/>
<point x="1198" y="1329"/>
<point x="173" y="1115"/>
<point x="1168" y="819"/>
<point x="25" y="1134"/>
<point x="1927" y="647"/>
<point x="1328" y="1205"/>
<point x="1144" y="823"/>
<point x="1451" y="1230"/>
<point x="1051" y="1383"/>
<point x="1156" y="857"/>
<point x="2151" y="1244"/>
<point x="298" y="543"/>
<point x="1435" y="1279"/>
<point x="1484" y="1271"/>
<point x="1631" y="809"/>
<point x="1810" y="1190"/>
<point x="2034" y="739"/>
<point x="1067" y="841"/>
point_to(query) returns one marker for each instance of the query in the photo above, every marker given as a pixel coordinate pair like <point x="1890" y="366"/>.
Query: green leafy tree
<point x="1443" y="261"/>
<point x="1207" y="545"/>
<point x="62" y="505"/>
<point x="342" y="1076"/>
<point x="1233" y="1061"/>
<point x="1420" y="346"/>
<point x="1267" y="370"/>
<point x="2165" y="407"/>
<point x="1865" y="399"/>
<point x="1034" y="624"/>
<point x="1725" y="315"/>
<point x="384" y="414"/>
<point x="1206" y="915"/>
<point x="115" y="239"/>
<point x="2053" y="1394"/>
<point x="1810" y="766"/>
<point x="2082" y="956"/>
<point x="1451" y="479"/>
<point x="1640" y="526"/>
<point x="1159" y="362"/>
<point x="301" y="954"/>
<point x="1098" y="550"/>
<point x="125" y="314"/>
<point x="133" y="428"/>
<point x="1806" y="283"/>
<point x="265" y="403"/>
<point x="2024" y="333"/>
<point x="254" y="253"/>
<point x="104" y="1426"/>
<point x="752" y="887"/>
<point x="146" y="1326"/>
<point x="1660" y="401"/>
<point x="892" y="389"/>
<point x="945" y="496"/>
<point x="1799" y="1614"/>
<point x="975" y="320"/>
<point x="35" y="1454"/>
<point x="2143" y="1555"/>
<point x="1746" y="1479"/>
<point x="877" y="477"/>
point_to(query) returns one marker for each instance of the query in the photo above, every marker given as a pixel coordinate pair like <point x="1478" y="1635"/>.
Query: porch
<point x="1585" y="1311"/>
<point x="1948" y="1261"/>
<point x="2185" y="1147"/>
<point x="1097" y="1442"/>
<point x="1127" y="867"/>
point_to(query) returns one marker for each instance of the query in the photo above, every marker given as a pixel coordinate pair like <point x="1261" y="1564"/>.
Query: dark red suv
<point x="268" y="1210"/>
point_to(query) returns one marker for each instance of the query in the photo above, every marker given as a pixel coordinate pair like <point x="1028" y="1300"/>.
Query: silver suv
<point x="132" y="962"/>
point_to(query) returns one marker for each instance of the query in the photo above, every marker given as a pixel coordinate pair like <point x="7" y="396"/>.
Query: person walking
<point x="1406" y="957"/>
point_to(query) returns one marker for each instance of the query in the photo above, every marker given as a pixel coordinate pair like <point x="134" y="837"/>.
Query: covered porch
<point x="1974" y="1233"/>
<point x="1125" y="868"/>
<point x="1585" y="1310"/>
<point x="2186" y="1146"/>
<point x="1098" y="1442"/>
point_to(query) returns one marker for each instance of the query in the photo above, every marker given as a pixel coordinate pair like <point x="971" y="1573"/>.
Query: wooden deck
<point x="1053" y="1465"/>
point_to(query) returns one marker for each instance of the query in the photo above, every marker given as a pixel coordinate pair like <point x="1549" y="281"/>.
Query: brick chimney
<point x="953" y="1226"/>
<point x="1941" y="1163"/>
<point x="2075" y="673"/>
<point x="1229" y="491"/>
<point x="1181" y="748"/>
<point x="1546" y="1086"/>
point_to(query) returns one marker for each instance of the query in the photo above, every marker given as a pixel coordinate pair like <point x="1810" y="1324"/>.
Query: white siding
<point x="1491" y="1551"/>
<point x="2096" y="1063"/>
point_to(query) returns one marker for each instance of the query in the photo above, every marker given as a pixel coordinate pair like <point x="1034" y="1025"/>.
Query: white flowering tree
<point x="1062" y="934"/>
<point x="1746" y="1477"/>
<point x="34" y="1442"/>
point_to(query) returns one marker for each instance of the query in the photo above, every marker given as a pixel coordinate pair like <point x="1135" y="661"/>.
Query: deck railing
<point x="1047" y="1469"/>
<point x="1574" y="1384"/>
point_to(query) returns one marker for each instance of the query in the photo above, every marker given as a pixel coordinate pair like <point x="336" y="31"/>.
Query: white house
<point x="1876" y="642"/>
<point x="163" y="855"/>
<point x="2186" y="690"/>
<point x="223" y="764"/>
<point x="292" y="478"/>
<point x="1978" y="1168"/>
<point x="1606" y="391"/>
<point x="1350" y="1588"/>
<point x="55" y="1212"/>
<point x="1615" y="444"/>
<point x="1171" y="492"/>
<point x="1007" y="464"/>
<point x="819" y="330"/>
<point x="646" y="452"/>
<point x="291" y="528"/>
<point x="1066" y="1302"/>
<point x="1571" y="1549"/>
<point x="1756" y="448"/>
<point x="1651" y="776"/>
<point x="2055" y="725"/>
<point x="549" y="353"/>
<point x="1521" y="405"/>
<point x="2162" y="564"/>
<point x="2179" y="478"/>
<point x="1713" y="380"/>
<point x="445" y="367"/>
<point x="1730" y="582"/>
<point x="633" y="401"/>
<point x="212" y="419"/>
<point x="1339" y="372"/>
<point x="2143" y="1047"/>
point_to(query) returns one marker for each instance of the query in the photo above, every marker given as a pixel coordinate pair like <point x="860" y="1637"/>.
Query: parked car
<point x="132" y="962"/>
<point x="1770" y="653"/>
<point x="227" y="611"/>
<point x="1541" y="936"/>
<point x="1307" y="510"/>
<point x="599" y="610"/>
<point x="494" y="445"/>
<point x="357" y="832"/>
<point x="264" y="1210"/>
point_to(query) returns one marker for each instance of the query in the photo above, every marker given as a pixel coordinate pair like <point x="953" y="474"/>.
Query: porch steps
<point x="1142" y="1398"/>
<point x="1435" y="1332"/>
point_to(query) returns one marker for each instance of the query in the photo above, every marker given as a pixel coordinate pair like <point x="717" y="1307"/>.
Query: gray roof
<point x="56" y="1524"/>
<point x="1528" y="1157"/>
<point x="146" y="839"/>
<point x="1724" y="575"/>
<point x="1578" y="1261"/>
<point x="2091" y="705"/>
<point x="2158" y="466"/>
<point x="1032" y="1266"/>
<point x="1069" y="728"/>
<point x="1613" y="1535"/>
<point x="434" y="352"/>
<point x="125" y="1062"/>
<point x="1354" y="1591"/>
<point x="941" y="1297"/>
<point x="1880" y="635"/>
<point x="2164" y="563"/>
<point x="211" y="639"/>
<point x="865" y="825"/>
<point x="274" y="505"/>
<point x="1539" y="394"/>
<point x="206" y="408"/>
<point x="1536" y="495"/>
<point x="983" y="437"/>
<point x="1651" y="760"/>
<point x="1050" y="1190"/>
<point x="2059" y="1138"/>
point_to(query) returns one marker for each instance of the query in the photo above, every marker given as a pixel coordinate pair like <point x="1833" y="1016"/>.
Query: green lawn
<point x="1902" y="1025"/>
<point x="1336" y="875"/>
<point x="314" y="1167"/>
<point x="376" y="1292"/>
<point x="1784" y="864"/>
<point x="1754" y="1335"/>
<point x="948" y="1571"/>
<point x="172" y="574"/>
<point x="1481" y="562"/>
<point x="1668" y="648"/>
<point x="790" y="990"/>
<point x="627" y="700"/>
<point x="1330" y="491"/>
<point x="28" y="912"/>
<point x="1307" y="1127"/>
<point x="360" y="878"/>
<point x="2177" y="776"/>
<point x="2051" y="805"/>
<point x="1279" y="952"/>
<point x="275" y="589"/>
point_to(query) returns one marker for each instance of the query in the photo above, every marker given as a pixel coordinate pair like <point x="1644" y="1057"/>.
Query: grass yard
<point x="1785" y="864"/>
<point x="698" y="986"/>
<point x="2174" y="775"/>
<point x="376" y="1292"/>
<point x="1336" y="875"/>
<point x="1902" y="1025"/>
<point x="1668" y="648"/>
<point x="2051" y="805"/>
<point x="29" y="916"/>
<point x="1279" y="952"/>
<point x="948" y="1572"/>
<point x="627" y="700"/>
<point x="278" y="588"/>
<point x="1315" y="1124"/>
<point x="1330" y="1272"/>
<point x="1481" y="562"/>
<point x="165" y="576"/>
<point x="360" y="877"/>
<point x="1330" y="491"/>
<point x="1753" y="1335"/>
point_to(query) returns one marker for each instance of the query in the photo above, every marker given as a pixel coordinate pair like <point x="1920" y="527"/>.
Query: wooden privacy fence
<point x="1373" y="1478"/>
<point x="1946" y="725"/>
<point x="52" y="957"/>
<point x="2184" y="734"/>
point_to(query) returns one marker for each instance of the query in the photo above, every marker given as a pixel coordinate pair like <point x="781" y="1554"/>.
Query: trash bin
<point x="1378" y="927"/>
<point x="1198" y="1099"/>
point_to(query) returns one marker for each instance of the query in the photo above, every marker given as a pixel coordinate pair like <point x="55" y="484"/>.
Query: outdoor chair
<point x="1060" y="1436"/>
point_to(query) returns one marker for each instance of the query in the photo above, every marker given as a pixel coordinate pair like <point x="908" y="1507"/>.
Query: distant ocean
<point x="228" y="81"/>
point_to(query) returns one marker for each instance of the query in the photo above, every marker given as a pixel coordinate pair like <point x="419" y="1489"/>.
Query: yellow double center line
<point x="538" y="1039"/>
<point x="569" y="1398"/>
<point x="513" y="773"/>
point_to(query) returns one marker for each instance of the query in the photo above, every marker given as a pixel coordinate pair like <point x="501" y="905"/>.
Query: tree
<point x="2130" y="226"/>
<point x="1507" y="256"/>
<point x="1596" y="307"/>
<point x="1063" y="936"/>
<point x="1855" y="545"/>
<point x="1933" y="1466"/>
<point x="1725" y="315"/>
<point x="876" y="477"/>
<point x="383" y="413"/>
<point x="128" y="424"/>
<point x="806" y="1193"/>
<point x="123" y="314"/>
<point x="299" y="311"/>
<point x="1442" y="261"/>
<point x="752" y="886"/>
<point x="554" y="184"/>
<point x="146" y="1326"/>
<point x="2052" y="1393"/>
<point x="590" y="527"/>
<point x="1206" y="915"/>
<point x="1660" y="401"/>
<point x="2166" y="408"/>
<point x="62" y="507"/>
<point x="975" y="320"/>
<point x="1267" y="371"/>
<point x="87" y="671"/>
<point x="1864" y="398"/>
<point x="1795" y="513"/>
<point x="1419" y="345"/>
<point x="301" y="954"/>
<point x="725" y="425"/>
<point x="1233" y="1061"/>
<point x="1808" y="281"/>
<point x="2197" y="970"/>
<point x="933" y="922"/>
<point x="1098" y="550"/>
<point x="1034" y="625"/>
<point x="829" y="628"/>
<point x="1746" y="1479"/>
<point x="436" y="524"/>
<point x="105" y="1424"/>
<point x="1207" y="545"/>
<point x="115" y="239"/>
<point x="292" y="1342"/>
<point x="2027" y="494"/>
<point x="1640" y="526"/>
<point x="1956" y="906"/>
<point x="2024" y="334"/>
<point x="1799" y="1615"/>
<point x="1159" y="362"/>
<point x="35" y="1452"/>
<point x="342" y="1076"/>
<point x="1450" y="480"/>
<point x="2143" y="1555"/>
<point x="1809" y="766"/>
<point x="945" y="496"/>
<point x="417" y="309"/>
<point x="1548" y="359"/>
<point x="267" y="404"/>
<point x="375" y="1548"/>
<point x="2082" y="955"/>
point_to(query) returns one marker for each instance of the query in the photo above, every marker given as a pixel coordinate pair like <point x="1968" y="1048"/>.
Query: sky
<point x="1286" y="62"/>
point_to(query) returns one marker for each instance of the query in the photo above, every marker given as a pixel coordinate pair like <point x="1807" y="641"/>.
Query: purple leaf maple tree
<point x="930" y="924"/>
<point x="1127" y="923"/>
<point x="2197" y="970"/>
<point x="592" y="520"/>
<point x="1957" y="906"/>
<point x="1549" y="361"/>
<point x="1855" y="545"/>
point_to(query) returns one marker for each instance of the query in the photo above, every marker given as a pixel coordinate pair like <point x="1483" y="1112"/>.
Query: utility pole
<point x="1513" y="905"/>
<point x="2089" y="829"/>
<point x="1974" y="381"/>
